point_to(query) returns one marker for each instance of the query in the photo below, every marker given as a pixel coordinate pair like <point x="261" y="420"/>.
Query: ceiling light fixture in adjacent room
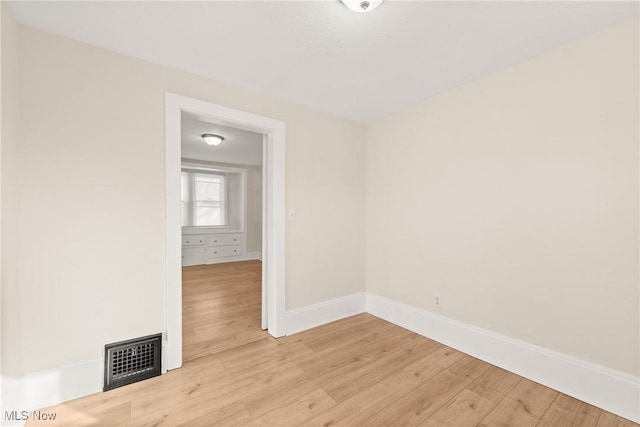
<point x="212" y="139"/>
<point x="362" y="5"/>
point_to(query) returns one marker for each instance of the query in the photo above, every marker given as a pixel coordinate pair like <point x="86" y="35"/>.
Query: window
<point x="203" y="199"/>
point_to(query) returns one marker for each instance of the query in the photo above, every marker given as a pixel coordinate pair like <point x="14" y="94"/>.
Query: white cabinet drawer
<point x="222" y="251"/>
<point x="225" y="239"/>
<point x="194" y="255"/>
<point x="194" y="240"/>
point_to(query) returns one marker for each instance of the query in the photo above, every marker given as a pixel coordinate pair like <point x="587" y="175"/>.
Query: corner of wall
<point x="10" y="290"/>
<point x="614" y="391"/>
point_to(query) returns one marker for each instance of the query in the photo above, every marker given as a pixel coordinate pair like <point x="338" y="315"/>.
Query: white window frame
<point x="192" y="199"/>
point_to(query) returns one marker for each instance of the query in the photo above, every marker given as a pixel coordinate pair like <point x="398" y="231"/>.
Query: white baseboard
<point x="314" y="315"/>
<point x="614" y="391"/>
<point x="45" y="388"/>
<point x="249" y="256"/>
<point x="11" y="404"/>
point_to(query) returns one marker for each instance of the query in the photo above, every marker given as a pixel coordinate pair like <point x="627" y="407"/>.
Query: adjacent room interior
<point x="454" y="214"/>
<point x="221" y="211"/>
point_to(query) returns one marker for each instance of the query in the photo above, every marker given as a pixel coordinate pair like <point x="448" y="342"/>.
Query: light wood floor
<point x="360" y="371"/>
<point x="221" y="307"/>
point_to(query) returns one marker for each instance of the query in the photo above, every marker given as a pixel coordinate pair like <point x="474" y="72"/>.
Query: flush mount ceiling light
<point x="362" y="5"/>
<point x="212" y="139"/>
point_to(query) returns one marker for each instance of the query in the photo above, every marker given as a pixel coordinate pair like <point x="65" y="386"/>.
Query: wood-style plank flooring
<point x="221" y="307"/>
<point x="360" y="371"/>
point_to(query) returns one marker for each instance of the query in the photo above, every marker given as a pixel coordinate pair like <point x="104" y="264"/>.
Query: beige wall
<point x="254" y="209"/>
<point x="92" y="196"/>
<point x="11" y="344"/>
<point x="515" y="199"/>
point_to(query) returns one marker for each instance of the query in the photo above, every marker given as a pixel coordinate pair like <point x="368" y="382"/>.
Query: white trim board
<point x="254" y="255"/>
<point x="273" y="249"/>
<point x="310" y="316"/>
<point x="613" y="391"/>
<point x="248" y="256"/>
<point x="13" y="399"/>
<point x="50" y="387"/>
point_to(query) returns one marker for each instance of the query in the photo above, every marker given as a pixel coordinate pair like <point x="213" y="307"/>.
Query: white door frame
<point x="273" y="273"/>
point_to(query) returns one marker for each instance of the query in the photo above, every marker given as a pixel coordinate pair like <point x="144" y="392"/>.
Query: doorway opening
<point x="221" y="207"/>
<point x="224" y="218"/>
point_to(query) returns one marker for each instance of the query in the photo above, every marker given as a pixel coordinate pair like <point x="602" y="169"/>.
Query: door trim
<point x="273" y="214"/>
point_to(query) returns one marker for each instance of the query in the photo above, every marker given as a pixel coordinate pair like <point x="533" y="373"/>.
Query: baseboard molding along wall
<point x="50" y="387"/>
<point x="308" y="317"/>
<point x="614" y="391"/>
<point x="12" y="401"/>
<point x="249" y="256"/>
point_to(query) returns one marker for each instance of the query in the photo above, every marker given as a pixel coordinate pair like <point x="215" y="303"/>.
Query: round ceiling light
<point x="362" y="5"/>
<point x="212" y="139"/>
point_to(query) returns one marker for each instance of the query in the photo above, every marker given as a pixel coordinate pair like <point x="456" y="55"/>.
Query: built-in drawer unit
<point x="225" y="239"/>
<point x="194" y="240"/>
<point x="224" y="251"/>
<point x="194" y="255"/>
<point x="212" y="248"/>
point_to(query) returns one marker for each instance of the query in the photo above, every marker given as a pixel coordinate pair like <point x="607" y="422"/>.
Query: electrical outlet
<point x="436" y="301"/>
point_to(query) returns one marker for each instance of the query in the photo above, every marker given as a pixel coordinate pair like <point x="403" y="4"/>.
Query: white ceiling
<point x="239" y="147"/>
<point x="321" y="54"/>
